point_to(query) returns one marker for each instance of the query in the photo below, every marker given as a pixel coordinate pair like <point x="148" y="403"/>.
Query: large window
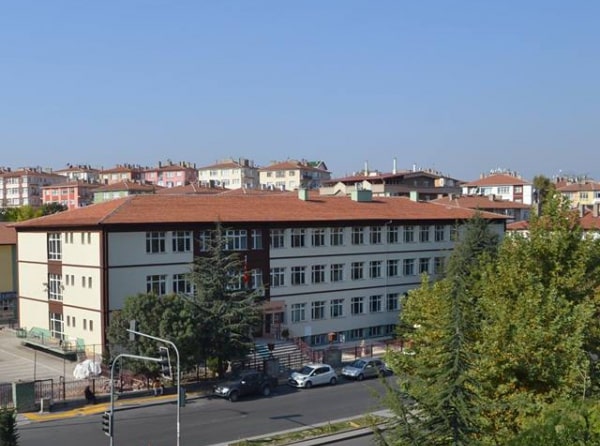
<point x="440" y="233"/>
<point x="392" y="268"/>
<point x="298" y="312"/>
<point x="424" y="233"/>
<point x="392" y="301"/>
<point x="155" y="242"/>
<point x="55" y="287"/>
<point x="182" y="241"/>
<point x="54" y="246"/>
<point x="318" y="237"/>
<point x="424" y="265"/>
<point x="375" y="235"/>
<point x="156" y="284"/>
<point x="375" y="269"/>
<point x="57" y="326"/>
<point x="277" y="277"/>
<point x="236" y="240"/>
<point x="408" y="267"/>
<point x="358" y="235"/>
<point x="336" y="237"/>
<point x="181" y="284"/>
<point x="204" y="238"/>
<point x="256" y="278"/>
<point x="298" y="275"/>
<point x="356" y="270"/>
<point x="318" y="274"/>
<point x="277" y="238"/>
<point x="357" y="305"/>
<point x="409" y="234"/>
<point x="337" y="308"/>
<point x="375" y="303"/>
<point x="393" y="234"/>
<point x="438" y="265"/>
<point x="298" y="238"/>
<point x="337" y="272"/>
<point x="318" y="310"/>
<point x="257" y="239"/>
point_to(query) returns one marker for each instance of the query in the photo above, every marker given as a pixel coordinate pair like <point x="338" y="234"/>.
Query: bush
<point x="8" y="427"/>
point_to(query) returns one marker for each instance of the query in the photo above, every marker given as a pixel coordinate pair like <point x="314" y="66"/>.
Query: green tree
<point x="439" y="319"/>
<point x="225" y="310"/>
<point x="9" y="435"/>
<point x="543" y="187"/>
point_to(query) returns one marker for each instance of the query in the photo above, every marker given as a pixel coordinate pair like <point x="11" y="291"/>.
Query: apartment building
<point x="512" y="210"/>
<point x="8" y="273"/>
<point x="23" y="187"/>
<point x="171" y="174"/>
<point x="292" y="175"/>
<point x="584" y="193"/>
<point x="122" y="172"/>
<point x="502" y="184"/>
<point x="80" y="172"/>
<point x="122" y="189"/>
<point x="323" y="264"/>
<point x="230" y="174"/>
<point x="72" y="194"/>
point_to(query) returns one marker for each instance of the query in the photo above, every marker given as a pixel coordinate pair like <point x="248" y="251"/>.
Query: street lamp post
<point x="178" y="373"/>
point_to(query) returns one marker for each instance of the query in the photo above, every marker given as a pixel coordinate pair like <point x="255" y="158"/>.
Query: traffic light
<point x="107" y="425"/>
<point x="165" y="362"/>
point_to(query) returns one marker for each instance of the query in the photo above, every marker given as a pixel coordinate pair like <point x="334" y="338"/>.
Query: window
<point x="424" y="265"/>
<point x="256" y="278"/>
<point x="318" y="237"/>
<point x="409" y="234"/>
<point x="91" y="327"/>
<point x="408" y="267"/>
<point x="503" y="190"/>
<point x="358" y="235"/>
<point x="392" y="268"/>
<point x="355" y="333"/>
<point x="424" y="233"/>
<point x="204" y="238"/>
<point x="392" y="301"/>
<point x="336" y="237"/>
<point x="356" y="305"/>
<point x="54" y="246"/>
<point x="277" y="277"/>
<point x="298" y="236"/>
<point x="375" y="303"/>
<point x="375" y="235"/>
<point x="156" y="284"/>
<point x="318" y="310"/>
<point x="181" y="284"/>
<point x="155" y="242"/>
<point x="438" y="265"/>
<point x="454" y="233"/>
<point x="182" y="241"/>
<point x="298" y="275"/>
<point x="440" y="233"/>
<point x="356" y="270"/>
<point x="375" y="269"/>
<point x="375" y="331"/>
<point x="57" y="326"/>
<point x="85" y="324"/>
<point x="318" y="274"/>
<point x="236" y="240"/>
<point x="393" y="234"/>
<point x="55" y="287"/>
<point x="257" y="239"/>
<point x="298" y="312"/>
<point x="277" y="238"/>
<point x="518" y="189"/>
<point x="337" y="308"/>
<point x="337" y="272"/>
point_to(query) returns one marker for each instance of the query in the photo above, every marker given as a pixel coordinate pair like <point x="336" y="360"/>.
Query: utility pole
<point x="132" y="331"/>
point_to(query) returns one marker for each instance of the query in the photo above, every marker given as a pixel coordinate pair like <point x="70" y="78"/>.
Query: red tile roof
<point x="580" y="187"/>
<point x="479" y="202"/>
<point x="588" y="222"/>
<point x="291" y="165"/>
<point x="129" y="186"/>
<point x="497" y="180"/>
<point x="240" y="207"/>
<point x="8" y="235"/>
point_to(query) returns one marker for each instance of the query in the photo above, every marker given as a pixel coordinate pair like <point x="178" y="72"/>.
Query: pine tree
<point x="9" y="435"/>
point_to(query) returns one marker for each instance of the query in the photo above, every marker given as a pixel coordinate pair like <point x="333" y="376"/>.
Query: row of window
<point x="336" y="308"/>
<point x="356" y="334"/>
<point x="72" y="322"/>
<point x="373" y="269"/>
<point x="55" y="286"/>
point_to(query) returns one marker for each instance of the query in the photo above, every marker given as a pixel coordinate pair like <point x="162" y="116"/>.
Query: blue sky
<point x="458" y="86"/>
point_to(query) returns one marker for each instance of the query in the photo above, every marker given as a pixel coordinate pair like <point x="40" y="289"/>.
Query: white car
<point x="313" y="375"/>
<point x="364" y="368"/>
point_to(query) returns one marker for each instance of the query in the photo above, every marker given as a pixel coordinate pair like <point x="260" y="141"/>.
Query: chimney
<point x="394" y="168"/>
<point x="492" y="197"/>
<point x="366" y="168"/>
<point x="303" y="194"/>
<point x="414" y="195"/>
<point x="581" y="210"/>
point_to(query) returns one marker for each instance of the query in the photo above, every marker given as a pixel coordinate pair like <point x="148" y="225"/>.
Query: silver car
<point x="364" y="368"/>
<point x="313" y="375"/>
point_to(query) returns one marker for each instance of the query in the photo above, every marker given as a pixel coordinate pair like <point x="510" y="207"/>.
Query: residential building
<point x="171" y="174"/>
<point x="8" y="273"/>
<point x="83" y="173"/>
<point x="513" y="210"/>
<point x="292" y="175"/>
<point x="72" y="194"/>
<point x="122" y="189"/>
<point x="230" y="174"/>
<point x="427" y="184"/>
<point x="323" y="264"/>
<point x="122" y="172"/>
<point x="503" y="184"/>
<point x="23" y="187"/>
<point x="585" y="193"/>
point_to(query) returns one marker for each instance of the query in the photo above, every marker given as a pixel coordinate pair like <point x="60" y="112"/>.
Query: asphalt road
<point x="207" y="421"/>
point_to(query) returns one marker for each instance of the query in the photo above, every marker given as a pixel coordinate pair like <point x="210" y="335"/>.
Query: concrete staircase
<point x="290" y="355"/>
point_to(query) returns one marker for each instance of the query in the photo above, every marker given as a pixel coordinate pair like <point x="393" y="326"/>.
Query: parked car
<point x="364" y="368"/>
<point x="313" y="375"/>
<point x="247" y="383"/>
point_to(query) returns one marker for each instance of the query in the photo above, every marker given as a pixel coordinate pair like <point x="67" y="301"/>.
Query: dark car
<point x="247" y="383"/>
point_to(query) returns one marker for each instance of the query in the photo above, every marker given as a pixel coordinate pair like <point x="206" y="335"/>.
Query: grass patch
<point x="313" y="432"/>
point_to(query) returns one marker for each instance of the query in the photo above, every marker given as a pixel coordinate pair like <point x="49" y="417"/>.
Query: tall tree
<point x="439" y="319"/>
